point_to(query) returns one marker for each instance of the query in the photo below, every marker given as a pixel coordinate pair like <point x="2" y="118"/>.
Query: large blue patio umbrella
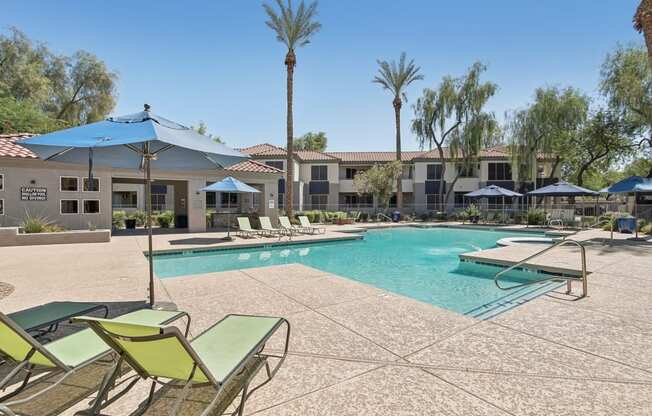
<point x="135" y="141"/>
<point x="493" y="191"/>
<point x="563" y="188"/>
<point x="230" y="185"/>
<point x="633" y="184"/>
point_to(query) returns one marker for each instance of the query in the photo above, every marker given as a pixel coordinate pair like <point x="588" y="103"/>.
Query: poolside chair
<point x="287" y="225"/>
<point x="67" y="355"/>
<point x="305" y="223"/>
<point x="266" y="226"/>
<point x="244" y="228"/>
<point x="218" y="357"/>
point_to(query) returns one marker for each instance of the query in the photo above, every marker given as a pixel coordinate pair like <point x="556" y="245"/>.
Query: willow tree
<point x="452" y="113"/>
<point x="545" y="128"/>
<point x="643" y="24"/>
<point x="395" y="77"/>
<point x="293" y="28"/>
<point x="378" y="181"/>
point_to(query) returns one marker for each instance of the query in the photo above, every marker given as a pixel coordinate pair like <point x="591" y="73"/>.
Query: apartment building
<point x="325" y="180"/>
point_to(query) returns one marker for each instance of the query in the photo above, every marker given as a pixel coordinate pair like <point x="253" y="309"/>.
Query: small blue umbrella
<point x="563" y="188"/>
<point x="135" y="141"/>
<point x="230" y="185"/>
<point x="493" y="191"/>
<point x="633" y="184"/>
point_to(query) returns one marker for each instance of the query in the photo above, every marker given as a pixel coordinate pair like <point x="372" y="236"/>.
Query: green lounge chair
<point x="305" y="223"/>
<point x="223" y="353"/>
<point x="66" y="355"/>
<point x="289" y="227"/>
<point x="244" y="228"/>
<point x="266" y="226"/>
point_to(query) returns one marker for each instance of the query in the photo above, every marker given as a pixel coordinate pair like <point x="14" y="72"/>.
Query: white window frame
<point x="2" y="207"/>
<point x="99" y="186"/>
<point x="99" y="207"/>
<point x="68" y="213"/>
<point x="2" y="181"/>
<point x="65" y="176"/>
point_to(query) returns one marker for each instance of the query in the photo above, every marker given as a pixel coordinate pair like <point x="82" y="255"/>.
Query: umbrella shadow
<point x="198" y="241"/>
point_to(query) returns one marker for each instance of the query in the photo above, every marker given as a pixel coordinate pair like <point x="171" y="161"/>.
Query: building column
<point x="196" y="205"/>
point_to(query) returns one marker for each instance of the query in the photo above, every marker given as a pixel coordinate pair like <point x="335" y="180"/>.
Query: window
<point x="278" y="164"/>
<point x="211" y="199"/>
<point x="228" y="200"/>
<point x="319" y="201"/>
<point x="2" y="182"/>
<point x="95" y="187"/>
<point x="125" y="199"/>
<point x="158" y="202"/>
<point x="69" y="184"/>
<point x="69" y="206"/>
<point x="433" y="202"/>
<point x="466" y="171"/>
<point x="500" y="172"/>
<point x="350" y="173"/>
<point x="358" y="200"/>
<point x="319" y="173"/>
<point x="2" y="207"/>
<point x="460" y="200"/>
<point x="281" y="201"/>
<point x="408" y="171"/>
<point x="433" y="172"/>
<point x="91" y="206"/>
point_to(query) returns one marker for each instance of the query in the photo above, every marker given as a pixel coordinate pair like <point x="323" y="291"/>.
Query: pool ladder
<point x="569" y="279"/>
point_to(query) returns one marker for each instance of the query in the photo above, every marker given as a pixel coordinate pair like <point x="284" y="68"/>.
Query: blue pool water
<point x="419" y="263"/>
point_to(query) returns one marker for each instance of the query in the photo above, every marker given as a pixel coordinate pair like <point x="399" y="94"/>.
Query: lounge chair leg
<point x="11" y="375"/>
<point x="243" y="400"/>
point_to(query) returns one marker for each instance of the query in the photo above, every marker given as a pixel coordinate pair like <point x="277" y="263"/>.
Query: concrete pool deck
<point x="356" y="349"/>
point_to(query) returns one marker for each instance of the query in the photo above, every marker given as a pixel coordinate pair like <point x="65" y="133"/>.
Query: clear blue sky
<point x="216" y="60"/>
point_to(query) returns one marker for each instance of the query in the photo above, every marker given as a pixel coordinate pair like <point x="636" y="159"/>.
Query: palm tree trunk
<point x="643" y="23"/>
<point x="399" y="181"/>
<point x="290" y="62"/>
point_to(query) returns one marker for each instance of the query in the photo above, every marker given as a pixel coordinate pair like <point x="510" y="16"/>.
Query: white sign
<point x="33" y="193"/>
<point x="271" y="204"/>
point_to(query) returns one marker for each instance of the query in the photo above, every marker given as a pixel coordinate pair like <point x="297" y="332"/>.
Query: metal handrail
<point x="381" y="215"/>
<point x="537" y="254"/>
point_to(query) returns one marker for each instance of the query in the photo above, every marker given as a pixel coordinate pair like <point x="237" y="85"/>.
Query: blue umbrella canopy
<point x="120" y="142"/>
<point x="230" y="185"/>
<point x="490" y="191"/>
<point x="629" y="185"/>
<point x="562" y="188"/>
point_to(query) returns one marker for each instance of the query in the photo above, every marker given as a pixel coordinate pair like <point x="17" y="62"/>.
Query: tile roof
<point x="371" y="157"/>
<point x="266" y="150"/>
<point x="261" y="148"/>
<point x="253" y="166"/>
<point x="9" y="147"/>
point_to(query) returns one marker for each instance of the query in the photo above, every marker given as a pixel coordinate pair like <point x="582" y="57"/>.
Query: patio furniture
<point x="305" y="223"/>
<point x="44" y="319"/>
<point x="285" y="223"/>
<point x="266" y="226"/>
<point x="230" y="185"/>
<point x="217" y="357"/>
<point x="67" y="355"/>
<point x="245" y="230"/>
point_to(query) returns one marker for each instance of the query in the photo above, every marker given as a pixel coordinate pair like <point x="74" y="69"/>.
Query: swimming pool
<point x="419" y="263"/>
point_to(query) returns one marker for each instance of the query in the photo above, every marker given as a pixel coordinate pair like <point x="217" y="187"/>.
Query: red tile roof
<point x="371" y="157"/>
<point x="253" y="166"/>
<point x="266" y="150"/>
<point x="261" y="148"/>
<point x="9" y="147"/>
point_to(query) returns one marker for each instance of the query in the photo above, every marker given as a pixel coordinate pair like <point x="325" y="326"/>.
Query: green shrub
<point x="313" y="216"/>
<point x="441" y="216"/>
<point x="34" y="225"/>
<point x="640" y="224"/>
<point x="536" y="216"/>
<point x="139" y="216"/>
<point x="608" y="221"/>
<point x="647" y="229"/>
<point x="118" y="219"/>
<point x="165" y="218"/>
<point x="364" y="216"/>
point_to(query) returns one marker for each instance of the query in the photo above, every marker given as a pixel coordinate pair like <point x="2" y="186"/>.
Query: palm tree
<point x="294" y="29"/>
<point x="643" y="23"/>
<point x="395" y="78"/>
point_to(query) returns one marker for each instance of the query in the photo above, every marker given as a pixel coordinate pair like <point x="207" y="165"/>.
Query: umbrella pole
<point x="148" y="205"/>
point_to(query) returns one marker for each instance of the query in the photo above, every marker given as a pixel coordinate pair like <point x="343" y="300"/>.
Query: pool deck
<point x="359" y="350"/>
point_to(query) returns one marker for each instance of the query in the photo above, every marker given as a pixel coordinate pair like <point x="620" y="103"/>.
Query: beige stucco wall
<point x="22" y="172"/>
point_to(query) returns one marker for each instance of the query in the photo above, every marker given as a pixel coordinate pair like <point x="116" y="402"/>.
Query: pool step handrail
<point x="568" y="279"/>
<point x="381" y="215"/>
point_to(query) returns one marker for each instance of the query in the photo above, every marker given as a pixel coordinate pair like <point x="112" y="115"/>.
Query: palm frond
<point x="395" y="77"/>
<point x="293" y="28"/>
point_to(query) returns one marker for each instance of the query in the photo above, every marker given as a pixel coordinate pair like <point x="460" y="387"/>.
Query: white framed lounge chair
<point x="266" y="226"/>
<point x="305" y="223"/>
<point x="244" y="228"/>
<point x="226" y="357"/>
<point x="285" y="223"/>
